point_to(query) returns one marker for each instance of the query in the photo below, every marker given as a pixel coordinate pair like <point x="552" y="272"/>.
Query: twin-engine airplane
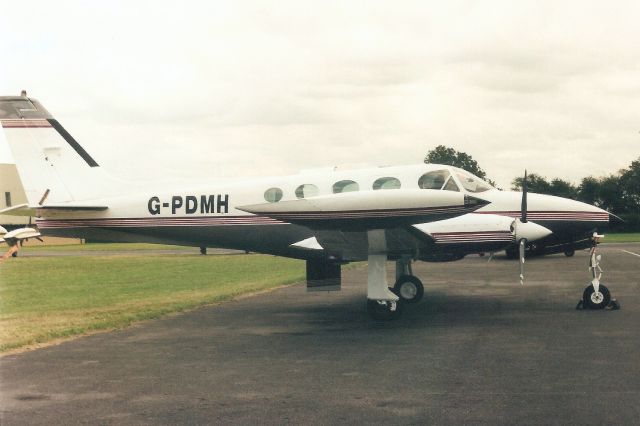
<point x="15" y="238"/>
<point x="424" y="212"/>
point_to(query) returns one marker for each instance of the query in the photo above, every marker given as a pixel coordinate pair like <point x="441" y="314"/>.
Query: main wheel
<point x="596" y="299"/>
<point x="409" y="288"/>
<point x="384" y="310"/>
<point x="569" y="252"/>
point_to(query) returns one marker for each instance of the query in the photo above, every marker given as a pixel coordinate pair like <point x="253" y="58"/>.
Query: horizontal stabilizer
<point x="19" y="210"/>
<point x="27" y="210"/>
<point x="68" y="207"/>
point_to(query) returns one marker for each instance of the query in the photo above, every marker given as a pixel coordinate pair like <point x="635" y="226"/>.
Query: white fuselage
<point x="209" y="215"/>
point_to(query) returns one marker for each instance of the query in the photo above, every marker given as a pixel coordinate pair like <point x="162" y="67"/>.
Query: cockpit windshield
<point x="472" y="183"/>
<point x="438" y="179"/>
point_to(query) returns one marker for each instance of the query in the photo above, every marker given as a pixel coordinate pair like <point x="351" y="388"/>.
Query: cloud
<point x="252" y="87"/>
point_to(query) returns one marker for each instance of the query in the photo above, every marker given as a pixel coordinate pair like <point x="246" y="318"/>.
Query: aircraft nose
<point x="592" y="212"/>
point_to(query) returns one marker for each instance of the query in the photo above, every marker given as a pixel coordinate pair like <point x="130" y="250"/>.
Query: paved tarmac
<point x="479" y="349"/>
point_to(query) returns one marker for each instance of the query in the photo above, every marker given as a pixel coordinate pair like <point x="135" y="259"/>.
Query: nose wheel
<point x="596" y="295"/>
<point x="596" y="299"/>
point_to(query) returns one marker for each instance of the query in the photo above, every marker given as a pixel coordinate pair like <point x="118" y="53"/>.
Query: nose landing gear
<point x="597" y="295"/>
<point x="596" y="299"/>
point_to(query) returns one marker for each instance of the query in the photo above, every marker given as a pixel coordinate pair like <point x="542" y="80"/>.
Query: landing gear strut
<point x="382" y="304"/>
<point x="597" y="295"/>
<point x="407" y="287"/>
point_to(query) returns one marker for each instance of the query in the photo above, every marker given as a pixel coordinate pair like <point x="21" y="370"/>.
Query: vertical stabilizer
<point x="49" y="160"/>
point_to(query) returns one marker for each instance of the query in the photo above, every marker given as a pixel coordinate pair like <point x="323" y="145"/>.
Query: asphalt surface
<point x="479" y="349"/>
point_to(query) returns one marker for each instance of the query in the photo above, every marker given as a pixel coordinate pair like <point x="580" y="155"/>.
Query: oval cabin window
<point x="345" y="186"/>
<point x="306" y="190"/>
<point x="386" y="183"/>
<point x="273" y="195"/>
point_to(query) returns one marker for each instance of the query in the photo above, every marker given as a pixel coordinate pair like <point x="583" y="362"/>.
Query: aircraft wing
<point x="471" y="233"/>
<point x="31" y="210"/>
<point x="359" y="211"/>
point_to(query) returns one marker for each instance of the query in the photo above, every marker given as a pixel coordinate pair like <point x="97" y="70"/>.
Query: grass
<point x="104" y="247"/>
<point x="622" y="238"/>
<point x="42" y="299"/>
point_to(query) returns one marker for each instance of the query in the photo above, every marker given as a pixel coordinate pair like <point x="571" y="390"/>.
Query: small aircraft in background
<point x="15" y="238"/>
<point x="330" y="217"/>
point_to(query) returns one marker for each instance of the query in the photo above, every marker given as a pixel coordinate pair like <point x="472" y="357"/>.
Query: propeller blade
<point x="523" y="244"/>
<point x="523" y="207"/>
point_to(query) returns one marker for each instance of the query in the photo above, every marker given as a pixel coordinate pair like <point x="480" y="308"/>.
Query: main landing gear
<point x="408" y="290"/>
<point x="407" y="287"/>
<point x="383" y="303"/>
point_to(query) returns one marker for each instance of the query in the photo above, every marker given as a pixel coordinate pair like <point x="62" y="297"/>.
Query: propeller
<point x="525" y="231"/>
<point x="523" y="219"/>
<point x="523" y="205"/>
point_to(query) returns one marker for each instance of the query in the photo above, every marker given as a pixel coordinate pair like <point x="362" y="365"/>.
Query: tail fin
<point x="52" y="165"/>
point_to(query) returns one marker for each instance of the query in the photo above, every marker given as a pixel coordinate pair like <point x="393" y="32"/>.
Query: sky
<point x="250" y="88"/>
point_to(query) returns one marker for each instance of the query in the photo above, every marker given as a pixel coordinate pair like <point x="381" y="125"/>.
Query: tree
<point x="449" y="156"/>
<point x="610" y="194"/>
<point x="617" y="193"/>
<point x="630" y="187"/>
<point x="540" y="185"/>
<point x="589" y="191"/>
<point x="535" y="183"/>
<point x="563" y="188"/>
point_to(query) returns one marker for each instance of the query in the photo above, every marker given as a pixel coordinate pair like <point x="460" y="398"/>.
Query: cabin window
<point x="345" y="186"/>
<point x="386" y="183"/>
<point x="7" y="199"/>
<point x="273" y="195"/>
<point x="306" y="190"/>
<point x="433" y="180"/>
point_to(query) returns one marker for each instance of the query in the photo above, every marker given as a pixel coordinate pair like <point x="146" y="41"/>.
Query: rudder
<point x="49" y="160"/>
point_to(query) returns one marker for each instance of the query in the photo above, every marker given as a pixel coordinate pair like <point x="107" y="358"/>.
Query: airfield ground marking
<point x="630" y="252"/>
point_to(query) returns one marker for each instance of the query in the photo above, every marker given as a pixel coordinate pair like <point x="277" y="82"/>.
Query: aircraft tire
<point x="593" y="300"/>
<point x="382" y="311"/>
<point x="409" y="288"/>
<point x="569" y="252"/>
